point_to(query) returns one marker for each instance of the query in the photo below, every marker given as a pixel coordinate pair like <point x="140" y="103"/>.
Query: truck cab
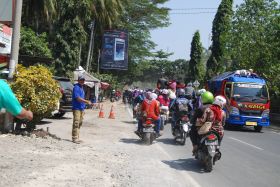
<point x="247" y="98"/>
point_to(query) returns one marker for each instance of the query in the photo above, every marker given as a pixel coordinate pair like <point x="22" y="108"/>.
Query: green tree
<point x="195" y="61"/>
<point x="255" y="39"/>
<point x="138" y="18"/>
<point x="220" y="35"/>
<point x="69" y="33"/>
<point x="38" y="13"/>
<point x="34" y="45"/>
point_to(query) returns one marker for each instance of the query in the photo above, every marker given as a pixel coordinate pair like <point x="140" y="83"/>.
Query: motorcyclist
<point x="150" y="109"/>
<point x="163" y="98"/>
<point x="198" y="102"/>
<point x="189" y="91"/>
<point x="181" y="104"/>
<point x="207" y="99"/>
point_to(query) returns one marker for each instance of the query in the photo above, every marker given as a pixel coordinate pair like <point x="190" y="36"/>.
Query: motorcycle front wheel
<point x="183" y="138"/>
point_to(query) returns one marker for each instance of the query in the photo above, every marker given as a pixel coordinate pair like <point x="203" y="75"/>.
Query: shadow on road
<point x="241" y="129"/>
<point x="130" y="122"/>
<point x="189" y="164"/>
<point x="44" y="122"/>
<point x="131" y="141"/>
<point x="168" y="141"/>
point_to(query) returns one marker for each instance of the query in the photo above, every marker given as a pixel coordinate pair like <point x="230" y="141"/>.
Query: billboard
<point x="114" y="54"/>
<point x="5" y="39"/>
<point x="6" y="11"/>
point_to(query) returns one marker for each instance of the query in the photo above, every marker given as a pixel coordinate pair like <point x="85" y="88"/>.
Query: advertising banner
<point x="5" y="39"/>
<point x="114" y="53"/>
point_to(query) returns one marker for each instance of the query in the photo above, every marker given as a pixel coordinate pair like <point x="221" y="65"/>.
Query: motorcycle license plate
<point x="211" y="143"/>
<point x="251" y="123"/>
<point x="148" y="130"/>
<point x="185" y="127"/>
<point x="163" y="117"/>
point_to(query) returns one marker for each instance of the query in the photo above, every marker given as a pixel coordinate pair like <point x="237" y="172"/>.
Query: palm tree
<point x="38" y="13"/>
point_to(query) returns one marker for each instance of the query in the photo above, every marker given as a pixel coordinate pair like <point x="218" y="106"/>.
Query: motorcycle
<point x="208" y="150"/>
<point x="148" y="133"/>
<point x="182" y="129"/>
<point x="164" y="115"/>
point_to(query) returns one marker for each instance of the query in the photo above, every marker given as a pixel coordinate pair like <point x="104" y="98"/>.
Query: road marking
<point x="246" y="143"/>
<point x="185" y="175"/>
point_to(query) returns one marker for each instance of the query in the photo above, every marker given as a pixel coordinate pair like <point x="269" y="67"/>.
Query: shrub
<point x="36" y="90"/>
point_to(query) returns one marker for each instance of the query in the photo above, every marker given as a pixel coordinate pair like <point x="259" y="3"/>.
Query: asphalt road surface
<point x="248" y="158"/>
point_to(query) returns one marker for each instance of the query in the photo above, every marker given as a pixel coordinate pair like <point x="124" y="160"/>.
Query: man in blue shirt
<point x="78" y="107"/>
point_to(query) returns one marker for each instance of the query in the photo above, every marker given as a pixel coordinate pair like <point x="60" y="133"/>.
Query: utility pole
<point x="91" y="26"/>
<point x="79" y="61"/>
<point x="98" y="61"/>
<point x="9" y="126"/>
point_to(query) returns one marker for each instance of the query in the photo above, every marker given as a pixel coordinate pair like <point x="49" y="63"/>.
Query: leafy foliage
<point x="196" y="55"/>
<point x="220" y="35"/>
<point x="255" y="39"/>
<point x="34" y="45"/>
<point x="36" y="90"/>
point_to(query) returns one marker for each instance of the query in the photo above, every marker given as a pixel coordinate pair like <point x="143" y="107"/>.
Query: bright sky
<point x="178" y="36"/>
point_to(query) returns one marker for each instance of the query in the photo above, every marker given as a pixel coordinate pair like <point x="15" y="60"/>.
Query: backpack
<point x="182" y="104"/>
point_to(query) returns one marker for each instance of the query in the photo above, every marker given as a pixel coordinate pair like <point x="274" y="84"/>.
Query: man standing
<point x="78" y="107"/>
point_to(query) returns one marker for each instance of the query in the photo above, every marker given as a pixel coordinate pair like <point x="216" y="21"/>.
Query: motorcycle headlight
<point x="234" y="111"/>
<point x="265" y="113"/>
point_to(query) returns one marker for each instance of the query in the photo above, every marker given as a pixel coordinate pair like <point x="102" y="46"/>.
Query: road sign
<point x="196" y="84"/>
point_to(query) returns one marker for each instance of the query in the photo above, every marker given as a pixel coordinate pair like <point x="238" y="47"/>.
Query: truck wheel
<point x="258" y="128"/>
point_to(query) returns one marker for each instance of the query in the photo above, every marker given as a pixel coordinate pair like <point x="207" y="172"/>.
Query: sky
<point x="178" y="36"/>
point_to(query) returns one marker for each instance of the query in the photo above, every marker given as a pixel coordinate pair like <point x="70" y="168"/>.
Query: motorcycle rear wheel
<point x="209" y="164"/>
<point x="147" y="138"/>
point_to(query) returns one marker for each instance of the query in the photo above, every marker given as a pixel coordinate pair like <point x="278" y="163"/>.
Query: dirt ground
<point x="111" y="155"/>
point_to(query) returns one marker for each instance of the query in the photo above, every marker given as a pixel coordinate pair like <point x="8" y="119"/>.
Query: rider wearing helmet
<point x="207" y="99"/>
<point x="163" y="98"/>
<point x="150" y="110"/>
<point x="181" y="104"/>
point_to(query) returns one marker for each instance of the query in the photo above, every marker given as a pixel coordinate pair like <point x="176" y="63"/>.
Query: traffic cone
<point x="112" y="113"/>
<point x="101" y="113"/>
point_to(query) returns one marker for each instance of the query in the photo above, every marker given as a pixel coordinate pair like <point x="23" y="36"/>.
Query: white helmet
<point x="154" y="96"/>
<point x="164" y="92"/>
<point x="201" y="91"/>
<point x="220" y="101"/>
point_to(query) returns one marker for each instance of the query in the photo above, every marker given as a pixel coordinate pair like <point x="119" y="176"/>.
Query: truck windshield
<point x="247" y="92"/>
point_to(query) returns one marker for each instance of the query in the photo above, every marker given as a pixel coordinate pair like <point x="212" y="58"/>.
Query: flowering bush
<point x="36" y="90"/>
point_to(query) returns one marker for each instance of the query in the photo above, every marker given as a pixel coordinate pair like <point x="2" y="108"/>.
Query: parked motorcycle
<point x="182" y="129"/>
<point x="208" y="150"/>
<point x="164" y="115"/>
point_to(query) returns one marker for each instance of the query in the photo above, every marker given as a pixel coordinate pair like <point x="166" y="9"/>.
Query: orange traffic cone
<point x="112" y="113"/>
<point x="101" y="113"/>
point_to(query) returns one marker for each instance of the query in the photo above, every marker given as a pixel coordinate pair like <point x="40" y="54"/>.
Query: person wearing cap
<point x="9" y="101"/>
<point x="78" y="106"/>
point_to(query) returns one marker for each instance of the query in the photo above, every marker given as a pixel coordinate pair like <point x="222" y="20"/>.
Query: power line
<point x="192" y="12"/>
<point x="193" y="9"/>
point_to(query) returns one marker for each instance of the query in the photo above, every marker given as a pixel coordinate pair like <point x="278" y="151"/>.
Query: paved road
<point x="248" y="159"/>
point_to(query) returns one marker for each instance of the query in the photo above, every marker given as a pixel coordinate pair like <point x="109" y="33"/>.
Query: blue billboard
<point x="114" y="50"/>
